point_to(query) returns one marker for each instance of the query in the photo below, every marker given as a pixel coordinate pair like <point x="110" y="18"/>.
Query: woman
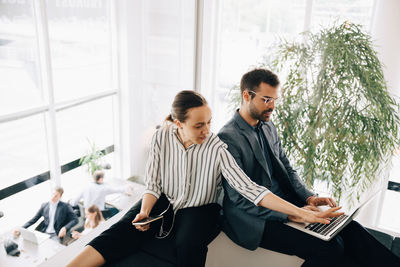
<point x="184" y="170"/>
<point x="94" y="218"/>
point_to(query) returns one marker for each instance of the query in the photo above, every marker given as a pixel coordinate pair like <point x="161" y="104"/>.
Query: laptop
<point x="328" y="231"/>
<point x="35" y="237"/>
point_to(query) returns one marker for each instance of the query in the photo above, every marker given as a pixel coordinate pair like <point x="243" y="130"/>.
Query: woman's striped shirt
<point x="192" y="177"/>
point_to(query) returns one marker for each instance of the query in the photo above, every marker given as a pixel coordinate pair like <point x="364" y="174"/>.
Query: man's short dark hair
<point x="97" y="175"/>
<point x="252" y="79"/>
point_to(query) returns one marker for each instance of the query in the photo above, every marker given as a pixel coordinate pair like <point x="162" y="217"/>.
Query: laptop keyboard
<point x="326" y="229"/>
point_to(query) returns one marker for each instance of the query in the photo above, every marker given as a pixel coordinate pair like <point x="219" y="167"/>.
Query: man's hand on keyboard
<point x="321" y="201"/>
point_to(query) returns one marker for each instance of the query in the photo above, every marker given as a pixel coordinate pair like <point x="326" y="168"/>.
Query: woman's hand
<point x="76" y="235"/>
<point x="312" y="216"/>
<point x="140" y="216"/>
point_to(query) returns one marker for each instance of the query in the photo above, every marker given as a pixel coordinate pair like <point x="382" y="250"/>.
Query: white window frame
<point x="50" y="110"/>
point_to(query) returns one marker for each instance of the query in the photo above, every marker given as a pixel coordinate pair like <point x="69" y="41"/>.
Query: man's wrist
<point x="310" y="198"/>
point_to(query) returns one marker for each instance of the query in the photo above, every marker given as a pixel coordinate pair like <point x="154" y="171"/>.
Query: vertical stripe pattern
<point x="192" y="177"/>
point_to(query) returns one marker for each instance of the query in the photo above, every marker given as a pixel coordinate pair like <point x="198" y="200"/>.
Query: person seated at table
<point x="58" y="217"/>
<point x="94" y="218"/>
<point x="95" y="194"/>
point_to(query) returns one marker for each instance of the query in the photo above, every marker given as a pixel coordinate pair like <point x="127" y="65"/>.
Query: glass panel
<point x="75" y="180"/>
<point x="75" y="126"/>
<point x="19" y="70"/>
<point x="23" y="150"/>
<point x="325" y="12"/>
<point x="17" y="210"/>
<point x="80" y="45"/>
<point x="248" y="28"/>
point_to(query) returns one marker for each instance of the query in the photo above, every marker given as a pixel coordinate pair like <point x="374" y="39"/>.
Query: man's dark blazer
<point x="243" y="221"/>
<point x="64" y="216"/>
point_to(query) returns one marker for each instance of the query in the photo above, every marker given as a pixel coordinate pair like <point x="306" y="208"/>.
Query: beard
<point x="264" y="115"/>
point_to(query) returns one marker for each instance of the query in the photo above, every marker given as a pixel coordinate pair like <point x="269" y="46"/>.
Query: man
<point x="253" y="141"/>
<point x="58" y="216"/>
<point x="95" y="194"/>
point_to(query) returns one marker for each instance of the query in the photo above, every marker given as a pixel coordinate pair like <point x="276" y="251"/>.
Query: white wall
<point x="385" y="32"/>
<point x="157" y="44"/>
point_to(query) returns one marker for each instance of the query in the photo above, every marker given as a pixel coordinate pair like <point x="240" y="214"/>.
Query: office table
<point x="31" y="253"/>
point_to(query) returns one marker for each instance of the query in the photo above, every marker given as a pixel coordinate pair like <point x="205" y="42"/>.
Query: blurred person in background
<point x="95" y="194"/>
<point x="58" y="217"/>
<point x="94" y="218"/>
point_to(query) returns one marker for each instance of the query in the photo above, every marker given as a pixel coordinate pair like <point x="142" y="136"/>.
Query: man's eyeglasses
<point x="266" y="100"/>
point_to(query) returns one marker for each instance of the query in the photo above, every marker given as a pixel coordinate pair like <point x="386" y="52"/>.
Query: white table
<point x="124" y="203"/>
<point x="31" y="253"/>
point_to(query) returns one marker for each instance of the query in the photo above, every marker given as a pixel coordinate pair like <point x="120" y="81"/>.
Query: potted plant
<point x="337" y="121"/>
<point x="93" y="158"/>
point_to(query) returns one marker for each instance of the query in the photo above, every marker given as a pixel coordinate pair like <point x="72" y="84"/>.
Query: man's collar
<point x="243" y="124"/>
<point x="55" y="204"/>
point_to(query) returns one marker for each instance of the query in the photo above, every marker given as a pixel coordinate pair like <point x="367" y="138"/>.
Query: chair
<point x="79" y="210"/>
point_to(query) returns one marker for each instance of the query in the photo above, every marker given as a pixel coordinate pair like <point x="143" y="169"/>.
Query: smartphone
<point x="148" y="220"/>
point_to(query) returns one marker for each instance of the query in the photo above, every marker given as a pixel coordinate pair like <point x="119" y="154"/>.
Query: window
<point x="247" y="29"/>
<point x="80" y="34"/>
<point x="20" y="85"/>
<point x="38" y="132"/>
<point x="23" y="150"/>
<point x="82" y="125"/>
<point x="325" y="12"/>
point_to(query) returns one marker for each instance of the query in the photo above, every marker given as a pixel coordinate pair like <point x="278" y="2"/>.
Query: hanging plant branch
<point x="337" y="121"/>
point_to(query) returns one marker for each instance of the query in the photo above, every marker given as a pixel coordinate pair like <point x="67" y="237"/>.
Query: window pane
<point x="19" y="72"/>
<point x="23" y="150"/>
<point x="326" y="12"/>
<point x="248" y="28"/>
<point x="75" y="180"/>
<point x="80" y="47"/>
<point x="75" y="126"/>
<point x="21" y="207"/>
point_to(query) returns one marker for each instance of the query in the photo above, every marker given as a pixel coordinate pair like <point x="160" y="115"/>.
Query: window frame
<point x="50" y="109"/>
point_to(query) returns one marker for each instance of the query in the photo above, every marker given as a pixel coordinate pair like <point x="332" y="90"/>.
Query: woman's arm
<point x="261" y="196"/>
<point x="273" y="202"/>
<point x="148" y="202"/>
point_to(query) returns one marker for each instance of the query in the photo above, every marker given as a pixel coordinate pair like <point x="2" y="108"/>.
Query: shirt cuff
<point x="147" y="191"/>
<point x="261" y="196"/>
